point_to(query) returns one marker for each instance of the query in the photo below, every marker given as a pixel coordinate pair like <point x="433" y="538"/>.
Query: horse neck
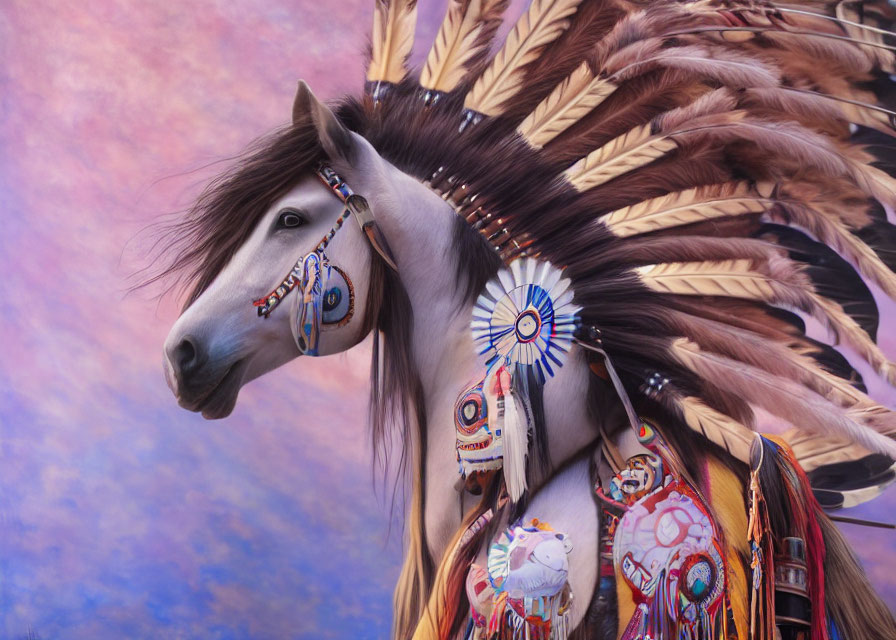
<point x="419" y="227"/>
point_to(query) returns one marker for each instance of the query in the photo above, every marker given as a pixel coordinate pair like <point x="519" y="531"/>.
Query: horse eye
<point x="289" y="219"/>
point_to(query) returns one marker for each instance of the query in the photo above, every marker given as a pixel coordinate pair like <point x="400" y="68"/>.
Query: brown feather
<point x="851" y="21"/>
<point x="814" y="451"/>
<point x="731" y="69"/>
<point x="775" y="282"/>
<point x="785" y="359"/>
<point x="779" y="396"/>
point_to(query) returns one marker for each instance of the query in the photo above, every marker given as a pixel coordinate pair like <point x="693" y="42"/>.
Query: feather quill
<point x="463" y="38"/>
<point x="392" y="39"/>
<point x="543" y="22"/>
<point x="515" y="437"/>
<point x="735" y="70"/>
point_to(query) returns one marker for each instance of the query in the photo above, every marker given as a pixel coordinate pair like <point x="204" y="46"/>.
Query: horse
<point x="218" y="343"/>
<point x="435" y="225"/>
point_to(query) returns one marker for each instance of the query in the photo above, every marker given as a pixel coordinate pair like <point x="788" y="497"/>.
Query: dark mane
<point x="221" y="220"/>
<point x="226" y="212"/>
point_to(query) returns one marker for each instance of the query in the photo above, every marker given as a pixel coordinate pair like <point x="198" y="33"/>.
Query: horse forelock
<point x="200" y="245"/>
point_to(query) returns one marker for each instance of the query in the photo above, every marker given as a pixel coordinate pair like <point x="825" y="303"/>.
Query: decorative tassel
<point x="515" y="435"/>
<point x="793" y="535"/>
<point x="761" y="600"/>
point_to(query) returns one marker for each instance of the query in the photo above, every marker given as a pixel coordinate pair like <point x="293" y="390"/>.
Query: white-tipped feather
<point x="515" y="437"/>
<point x="543" y="22"/>
<point x="392" y="39"/>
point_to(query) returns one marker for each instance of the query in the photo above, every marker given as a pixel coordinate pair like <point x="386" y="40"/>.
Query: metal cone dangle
<point x="526" y="317"/>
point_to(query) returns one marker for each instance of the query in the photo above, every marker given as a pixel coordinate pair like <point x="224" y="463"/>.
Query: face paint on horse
<point x="219" y="343"/>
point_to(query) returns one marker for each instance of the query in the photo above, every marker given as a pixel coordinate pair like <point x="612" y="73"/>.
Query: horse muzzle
<point x="198" y="383"/>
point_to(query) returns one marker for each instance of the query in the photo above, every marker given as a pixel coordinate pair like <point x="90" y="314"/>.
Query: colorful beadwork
<point x="526" y="317"/>
<point x="666" y="548"/>
<point x="295" y="276"/>
<point x="528" y="570"/>
<point x="479" y="438"/>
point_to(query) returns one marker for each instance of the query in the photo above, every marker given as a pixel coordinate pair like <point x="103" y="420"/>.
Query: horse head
<point x="258" y="224"/>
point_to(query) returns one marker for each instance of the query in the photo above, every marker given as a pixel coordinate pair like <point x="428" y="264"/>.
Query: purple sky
<point x="122" y="515"/>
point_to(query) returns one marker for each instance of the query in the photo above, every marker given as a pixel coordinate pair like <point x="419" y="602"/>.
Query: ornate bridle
<point x="309" y="270"/>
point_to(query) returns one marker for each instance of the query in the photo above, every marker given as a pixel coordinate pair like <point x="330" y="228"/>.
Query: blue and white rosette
<point x="526" y="317"/>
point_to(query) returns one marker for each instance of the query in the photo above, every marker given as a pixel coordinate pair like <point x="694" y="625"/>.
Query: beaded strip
<point x="336" y="184"/>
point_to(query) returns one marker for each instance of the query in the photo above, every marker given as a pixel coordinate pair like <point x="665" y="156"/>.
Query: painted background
<point x="122" y="516"/>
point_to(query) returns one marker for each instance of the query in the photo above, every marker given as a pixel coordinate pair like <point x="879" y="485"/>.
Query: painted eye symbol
<point x="338" y="299"/>
<point x="470" y="412"/>
<point x="331" y="299"/>
<point x="528" y="325"/>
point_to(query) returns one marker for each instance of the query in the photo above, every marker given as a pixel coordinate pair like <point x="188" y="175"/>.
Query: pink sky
<point x="121" y="514"/>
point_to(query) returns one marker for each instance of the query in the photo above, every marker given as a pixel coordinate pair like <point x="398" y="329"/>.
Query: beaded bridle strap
<point x="354" y="205"/>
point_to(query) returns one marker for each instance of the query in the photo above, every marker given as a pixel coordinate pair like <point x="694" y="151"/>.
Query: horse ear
<point x="335" y="139"/>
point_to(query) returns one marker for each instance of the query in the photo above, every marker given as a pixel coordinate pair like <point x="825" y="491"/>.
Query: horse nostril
<point x="187" y="356"/>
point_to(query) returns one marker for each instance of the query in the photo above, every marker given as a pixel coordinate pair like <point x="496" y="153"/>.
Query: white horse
<point x="219" y="343"/>
<point x="642" y="153"/>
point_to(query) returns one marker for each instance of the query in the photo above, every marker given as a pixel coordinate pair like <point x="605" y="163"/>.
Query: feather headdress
<point x="707" y="174"/>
